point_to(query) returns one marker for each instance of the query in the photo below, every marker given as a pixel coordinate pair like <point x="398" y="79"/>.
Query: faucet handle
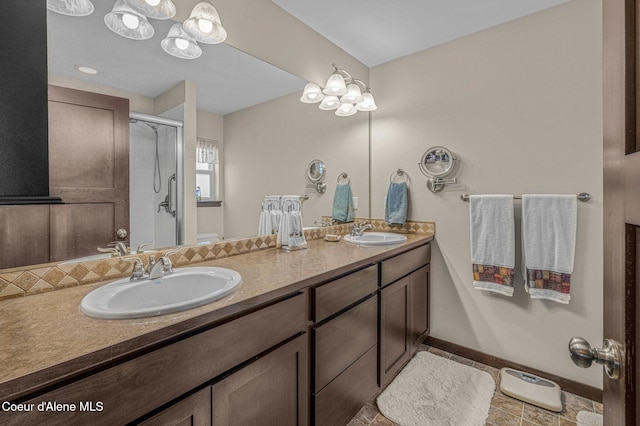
<point x="114" y="251"/>
<point x="138" y="269"/>
<point x="140" y="248"/>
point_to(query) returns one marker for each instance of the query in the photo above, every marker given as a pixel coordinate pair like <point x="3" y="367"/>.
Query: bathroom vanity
<point x="309" y="338"/>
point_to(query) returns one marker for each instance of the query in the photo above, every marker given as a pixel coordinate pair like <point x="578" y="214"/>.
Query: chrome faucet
<point x="357" y="229"/>
<point x="160" y="268"/>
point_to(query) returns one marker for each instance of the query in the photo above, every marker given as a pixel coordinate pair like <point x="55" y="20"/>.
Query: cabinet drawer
<point x="336" y="295"/>
<point x="341" y="341"/>
<point x="134" y="388"/>
<point x="403" y="264"/>
<point x="341" y="399"/>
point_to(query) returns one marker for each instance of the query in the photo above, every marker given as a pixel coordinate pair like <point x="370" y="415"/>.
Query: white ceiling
<point x="378" y="31"/>
<point x="227" y="79"/>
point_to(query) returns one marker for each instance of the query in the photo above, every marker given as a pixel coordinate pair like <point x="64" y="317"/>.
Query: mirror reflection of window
<point x="207" y="169"/>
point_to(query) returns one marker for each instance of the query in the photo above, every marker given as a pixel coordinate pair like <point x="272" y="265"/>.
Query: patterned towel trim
<point x="493" y="274"/>
<point x="549" y="280"/>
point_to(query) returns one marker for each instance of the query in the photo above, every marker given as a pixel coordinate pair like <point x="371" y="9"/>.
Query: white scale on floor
<point x="532" y="389"/>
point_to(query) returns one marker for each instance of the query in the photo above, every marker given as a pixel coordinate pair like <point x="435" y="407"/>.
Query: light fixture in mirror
<point x="329" y="103"/>
<point x="336" y="85"/>
<point x="155" y="9"/>
<point x="127" y="22"/>
<point x="71" y="7"/>
<point x="204" y="24"/>
<point x="179" y="44"/>
<point x="367" y="104"/>
<point x="343" y="92"/>
<point x="353" y="95"/>
<point x="345" y="110"/>
<point x="311" y="94"/>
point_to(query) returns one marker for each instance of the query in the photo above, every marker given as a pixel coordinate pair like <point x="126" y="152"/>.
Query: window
<point x="207" y="169"/>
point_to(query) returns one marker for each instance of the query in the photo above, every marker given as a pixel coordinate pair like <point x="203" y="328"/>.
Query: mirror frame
<point x="316" y="164"/>
<point x="433" y="152"/>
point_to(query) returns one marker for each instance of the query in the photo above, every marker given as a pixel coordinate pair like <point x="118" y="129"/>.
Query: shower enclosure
<point x="155" y="173"/>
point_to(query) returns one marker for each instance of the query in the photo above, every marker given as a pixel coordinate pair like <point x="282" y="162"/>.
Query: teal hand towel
<point x="343" y="204"/>
<point x="396" y="207"/>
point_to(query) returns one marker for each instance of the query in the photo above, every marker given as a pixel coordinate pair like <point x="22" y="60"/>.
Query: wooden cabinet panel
<point x="395" y="340"/>
<point x="135" y="388"/>
<point x="271" y="391"/>
<point x="341" y="399"/>
<point x="24" y="232"/>
<point x="419" y="303"/>
<point x="338" y="294"/>
<point x="339" y="342"/>
<point x="194" y="410"/>
<point x="74" y="232"/>
<point x="403" y="264"/>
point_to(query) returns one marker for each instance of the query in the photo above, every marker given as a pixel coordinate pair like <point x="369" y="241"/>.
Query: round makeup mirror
<point x="437" y="162"/>
<point x="316" y="171"/>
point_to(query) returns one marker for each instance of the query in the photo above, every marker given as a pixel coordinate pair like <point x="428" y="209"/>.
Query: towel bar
<point x="583" y="196"/>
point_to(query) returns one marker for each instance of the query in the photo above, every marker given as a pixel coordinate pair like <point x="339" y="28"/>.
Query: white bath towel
<point x="548" y="245"/>
<point x="291" y="230"/>
<point x="492" y="242"/>
<point x="269" y="215"/>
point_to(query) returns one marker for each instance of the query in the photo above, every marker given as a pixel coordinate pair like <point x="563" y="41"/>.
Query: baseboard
<point x="567" y="385"/>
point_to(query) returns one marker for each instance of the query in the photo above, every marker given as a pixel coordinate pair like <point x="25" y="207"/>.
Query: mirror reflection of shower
<point x="154" y="189"/>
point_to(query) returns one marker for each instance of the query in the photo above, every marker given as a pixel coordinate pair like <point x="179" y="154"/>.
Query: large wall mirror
<point x="248" y="108"/>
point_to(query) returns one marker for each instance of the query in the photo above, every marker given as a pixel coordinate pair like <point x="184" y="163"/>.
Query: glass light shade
<point x="311" y="94"/>
<point x="329" y="103"/>
<point x="367" y="104"/>
<point x="127" y="22"/>
<point x="204" y="24"/>
<point x="71" y="7"/>
<point x="345" y="110"/>
<point x="180" y="44"/>
<point x="335" y="85"/>
<point x="353" y="95"/>
<point x="156" y="9"/>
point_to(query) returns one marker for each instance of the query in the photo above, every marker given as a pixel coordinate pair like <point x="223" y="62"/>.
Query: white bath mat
<point x="432" y="390"/>
<point x="587" y="418"/>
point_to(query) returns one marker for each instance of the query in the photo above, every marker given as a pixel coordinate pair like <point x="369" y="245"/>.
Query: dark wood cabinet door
<point x="272" y="391"/>
<point x="194" y="410"/>
<point x="88" y="169"/>
<point x="419" y="304"/>
<point x="395" y="323"/>
<point x="24" y="232"/>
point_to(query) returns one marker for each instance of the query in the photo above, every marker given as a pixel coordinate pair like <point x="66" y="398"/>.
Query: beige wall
<point x="268" y="148"/>
<point x="521" y="106"/>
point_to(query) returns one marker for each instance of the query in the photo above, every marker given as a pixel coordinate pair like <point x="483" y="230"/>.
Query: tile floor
<point x="504" y="411"/>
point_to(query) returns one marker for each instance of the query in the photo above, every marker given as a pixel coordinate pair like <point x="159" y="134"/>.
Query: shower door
<point x="155" y="206"/>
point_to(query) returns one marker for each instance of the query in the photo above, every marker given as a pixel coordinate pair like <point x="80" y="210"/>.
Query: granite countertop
<point x="45" y="338"/>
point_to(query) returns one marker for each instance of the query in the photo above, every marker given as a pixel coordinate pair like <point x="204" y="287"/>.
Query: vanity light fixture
<point x="204" y="24"/>
<point x="342" y="92"/>
<point x="128" y="22"/>
<point x="155" y="9"/>
<point x="71" y="7"/>
<point x="180" y="44"/>
<point x="129" y="19"/>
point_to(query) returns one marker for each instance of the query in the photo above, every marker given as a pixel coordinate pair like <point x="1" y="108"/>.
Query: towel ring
<point x="343" y="175"/>
<point x="399" y="173"/>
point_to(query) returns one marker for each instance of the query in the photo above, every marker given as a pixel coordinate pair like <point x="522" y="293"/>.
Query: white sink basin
<point x="376" y="238"/>
<point x="186" y="288"/>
